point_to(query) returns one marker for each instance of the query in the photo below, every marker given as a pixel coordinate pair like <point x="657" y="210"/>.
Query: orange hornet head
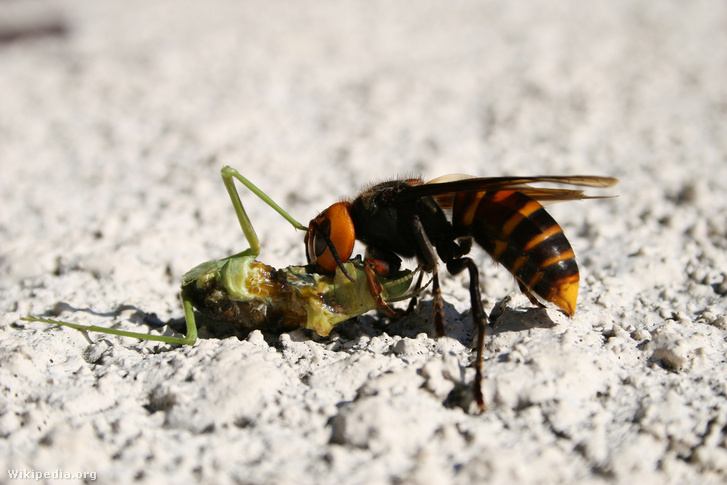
<point x="330" y="238"/>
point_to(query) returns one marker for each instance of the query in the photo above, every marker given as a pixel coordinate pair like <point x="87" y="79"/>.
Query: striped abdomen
<point x="519" y="234"/>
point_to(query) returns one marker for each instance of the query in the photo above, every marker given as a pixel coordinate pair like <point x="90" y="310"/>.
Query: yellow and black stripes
<point x="519" y="234"/>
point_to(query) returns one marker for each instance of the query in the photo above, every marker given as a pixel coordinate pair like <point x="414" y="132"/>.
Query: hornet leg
<point x="479" y="317"/>
<point x="430" y="264"/>
<point x="529" y="294"/>
<point x="374" y="266"/>
<point x="376" y="289"/>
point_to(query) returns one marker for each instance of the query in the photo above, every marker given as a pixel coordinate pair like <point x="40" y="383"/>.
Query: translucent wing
<point x="444" y="188"/>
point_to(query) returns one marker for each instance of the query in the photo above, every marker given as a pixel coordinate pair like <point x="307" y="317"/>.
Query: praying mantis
<point x="250" y="294"/>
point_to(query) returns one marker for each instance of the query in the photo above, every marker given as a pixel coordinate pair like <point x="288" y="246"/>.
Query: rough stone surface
<point x="117" y="116"/>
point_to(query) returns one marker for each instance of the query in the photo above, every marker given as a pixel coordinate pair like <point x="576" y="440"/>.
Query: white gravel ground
<point x="116" y="117"/>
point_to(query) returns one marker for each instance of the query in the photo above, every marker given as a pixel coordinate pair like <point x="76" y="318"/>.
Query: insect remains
<point x="249" y="294"/>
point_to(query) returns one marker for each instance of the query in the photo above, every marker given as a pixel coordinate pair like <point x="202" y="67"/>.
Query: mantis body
<point x="249" y="294"/>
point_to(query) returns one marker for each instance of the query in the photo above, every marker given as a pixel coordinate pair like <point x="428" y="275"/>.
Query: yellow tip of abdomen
<point x="566" y="297"/>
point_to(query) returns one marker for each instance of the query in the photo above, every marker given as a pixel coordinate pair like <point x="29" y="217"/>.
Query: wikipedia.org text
<point x="56" y="474"/>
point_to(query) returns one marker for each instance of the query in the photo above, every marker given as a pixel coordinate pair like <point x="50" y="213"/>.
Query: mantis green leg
<point x="189" y="339"/>
<point x="228" y="174"/>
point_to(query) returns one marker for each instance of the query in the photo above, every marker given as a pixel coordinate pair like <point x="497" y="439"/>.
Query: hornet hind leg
<point x="478" y="316"/>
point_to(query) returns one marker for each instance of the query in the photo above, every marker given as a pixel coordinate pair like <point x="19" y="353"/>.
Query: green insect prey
<point x="249" y="294"/>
